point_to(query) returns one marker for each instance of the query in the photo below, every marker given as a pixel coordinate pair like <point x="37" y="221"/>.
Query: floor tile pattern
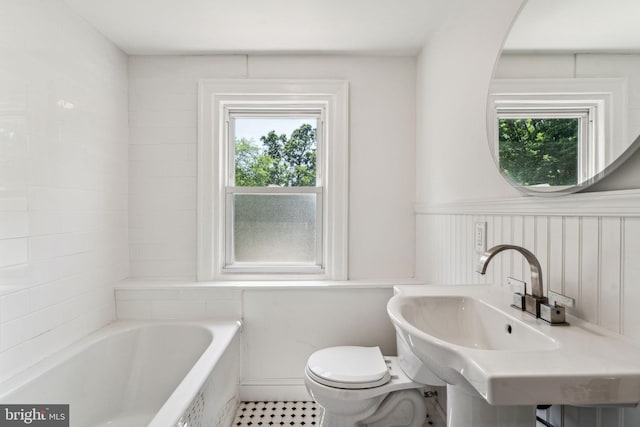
<point x="286" y="414"/>
<point x="276" y="414"/>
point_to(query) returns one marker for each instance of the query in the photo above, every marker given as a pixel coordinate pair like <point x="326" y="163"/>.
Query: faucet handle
<point x="554" y="311"/>
<point x="517" y="286"/>
<point x="556" y="299"/>
<point x="519" y="289"/>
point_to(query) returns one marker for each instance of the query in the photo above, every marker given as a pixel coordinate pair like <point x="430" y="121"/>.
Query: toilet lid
<point x="349" y="367"/>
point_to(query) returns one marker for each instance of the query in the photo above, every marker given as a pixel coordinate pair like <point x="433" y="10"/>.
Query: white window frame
<point x="599" y="102"/>
<point x="216" y="99"/>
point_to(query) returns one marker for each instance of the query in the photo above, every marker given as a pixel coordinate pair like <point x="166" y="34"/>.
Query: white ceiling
<point x="346" y="26"/>
<point x="219" y="26"/>
<point x="577" y="26"/>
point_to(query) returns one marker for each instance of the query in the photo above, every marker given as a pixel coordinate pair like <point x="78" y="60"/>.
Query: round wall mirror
<point x="564" y="103"/>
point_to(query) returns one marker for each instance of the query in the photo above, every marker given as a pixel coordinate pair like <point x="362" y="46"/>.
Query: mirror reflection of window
<point x="541" y="151"/>
<point x="555" y="135"/>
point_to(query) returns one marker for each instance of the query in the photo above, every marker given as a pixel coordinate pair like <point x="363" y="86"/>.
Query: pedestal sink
<point x="471" y="338"/>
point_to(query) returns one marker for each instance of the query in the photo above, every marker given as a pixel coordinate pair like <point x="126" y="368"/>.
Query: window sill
<point x="145" y="284"/>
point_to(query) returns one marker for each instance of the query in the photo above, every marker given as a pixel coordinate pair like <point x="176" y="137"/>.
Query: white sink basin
<point x="469" y="322"/>
<point x="470" y="336"/>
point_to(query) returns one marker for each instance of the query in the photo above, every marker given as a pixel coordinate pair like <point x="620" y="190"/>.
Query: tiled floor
<point x="290" y="414"/>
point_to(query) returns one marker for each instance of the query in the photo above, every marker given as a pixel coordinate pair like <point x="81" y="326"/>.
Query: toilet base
<point x="404" y="408"/>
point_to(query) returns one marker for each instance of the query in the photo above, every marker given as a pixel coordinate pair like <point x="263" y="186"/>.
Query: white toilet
<point x="358" y="386"/>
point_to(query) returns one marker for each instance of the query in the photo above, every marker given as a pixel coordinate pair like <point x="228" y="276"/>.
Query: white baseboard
<point x="274" y="391"/>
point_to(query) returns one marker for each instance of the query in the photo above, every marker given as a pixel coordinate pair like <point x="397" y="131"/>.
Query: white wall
<point x="586" y="250"/>
<point x="163" y="102"/>
<point x="282" y="325"/>
<point x="454" y="70"/>
<point x="63" y="179"/>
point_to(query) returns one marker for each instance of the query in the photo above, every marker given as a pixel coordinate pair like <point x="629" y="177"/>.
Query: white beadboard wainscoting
<point x="588" y="246"/>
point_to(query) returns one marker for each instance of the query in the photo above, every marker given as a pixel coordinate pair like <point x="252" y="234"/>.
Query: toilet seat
<point x="358" y="386"/>
<point x="349" y="367"/>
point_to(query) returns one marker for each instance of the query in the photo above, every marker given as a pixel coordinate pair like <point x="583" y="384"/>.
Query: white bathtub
<point x="134" y="374"/>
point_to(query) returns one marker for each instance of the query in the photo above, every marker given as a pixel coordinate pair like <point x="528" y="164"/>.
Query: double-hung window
<point x="274" y="191"/>
<point x="272" y="180"/>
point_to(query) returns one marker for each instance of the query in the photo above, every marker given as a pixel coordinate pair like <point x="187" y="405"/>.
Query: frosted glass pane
<point x="274" y="228"/>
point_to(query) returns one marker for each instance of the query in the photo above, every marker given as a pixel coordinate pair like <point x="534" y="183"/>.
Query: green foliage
<point x="281" y="161"/>
<point x="252" y="166"/>
<point x="539" y="151"/>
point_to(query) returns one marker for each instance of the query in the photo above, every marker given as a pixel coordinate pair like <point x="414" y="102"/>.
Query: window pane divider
<point x="273" y="190"/>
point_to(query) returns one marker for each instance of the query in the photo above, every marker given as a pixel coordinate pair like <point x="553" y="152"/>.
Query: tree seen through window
<point x="539" y="151"/>
<point x="278" y="159"/>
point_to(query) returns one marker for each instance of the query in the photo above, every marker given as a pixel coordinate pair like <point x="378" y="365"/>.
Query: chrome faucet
<point x="531" y="303"/>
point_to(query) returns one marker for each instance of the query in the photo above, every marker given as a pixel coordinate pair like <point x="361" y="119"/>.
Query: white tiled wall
<point x="590" y="258"/>
<point x="163" y="137"/>
<point x="283" y="327"/>
<point x="163" y="105"/>
<point x="181" y="301"/>
<point x="63" y="179"/>
<point x="282" y="324"/>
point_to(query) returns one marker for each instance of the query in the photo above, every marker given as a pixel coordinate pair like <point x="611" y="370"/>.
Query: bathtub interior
<point x="128" y="375"/>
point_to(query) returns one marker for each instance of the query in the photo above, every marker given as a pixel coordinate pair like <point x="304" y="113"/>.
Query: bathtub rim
<point x="174" y="407"/>
<point x="222" y="333"/>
